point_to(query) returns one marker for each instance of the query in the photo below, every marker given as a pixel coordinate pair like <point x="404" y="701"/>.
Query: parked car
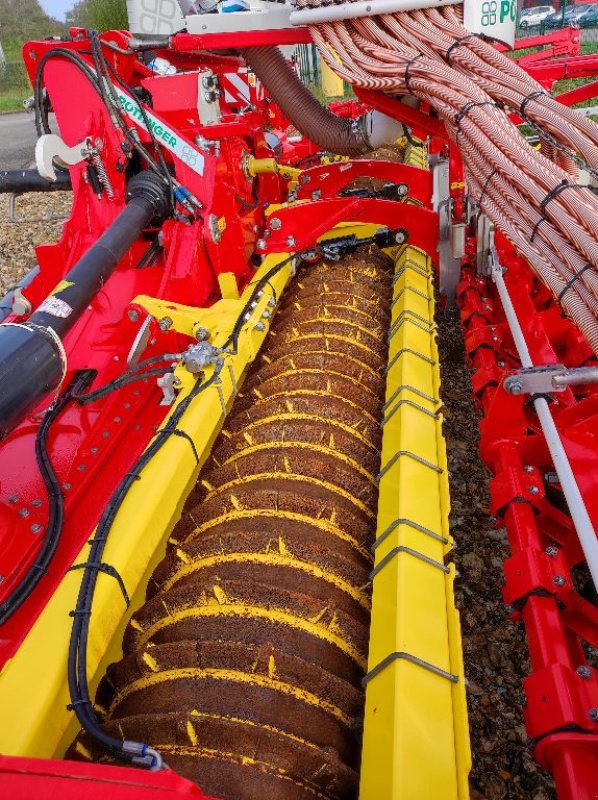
<point x="535" y="16"/>
<point x="590" y="18"/>
<point x="530" y="17"/>
<point x="574" y="15"/>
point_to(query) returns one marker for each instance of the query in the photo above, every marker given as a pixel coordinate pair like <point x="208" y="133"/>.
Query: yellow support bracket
<point x="35" y="719"/>
<point x="416" y="740"/>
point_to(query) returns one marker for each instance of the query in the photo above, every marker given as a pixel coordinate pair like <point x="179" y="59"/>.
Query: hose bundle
<point x="536" y="203"/>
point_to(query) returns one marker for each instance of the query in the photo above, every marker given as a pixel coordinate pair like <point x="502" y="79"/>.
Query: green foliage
<point x="102" y="15"/>
<point x="21" y="21"/>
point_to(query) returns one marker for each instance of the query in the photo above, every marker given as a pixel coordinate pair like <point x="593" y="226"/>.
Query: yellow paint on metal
<point x="314" y="627"/>
<point x="284" y="476"/>
<point x="228" y="285"/>
<point x="321" y="524"/>
<point x="332" y="84"/>
<point x="234" y="676"/>
<point x="315" y="448"/>
<point x="416" y="741"/>
<point x="270" y="559"/>
<point x="35" y="720"/>
<point x="224" y="756"/>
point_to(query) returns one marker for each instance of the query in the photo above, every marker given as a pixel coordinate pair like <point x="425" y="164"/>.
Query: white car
<point x="535" y="16"/>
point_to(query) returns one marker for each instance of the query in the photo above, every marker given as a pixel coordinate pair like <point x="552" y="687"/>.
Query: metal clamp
<point x="548" y="379"/>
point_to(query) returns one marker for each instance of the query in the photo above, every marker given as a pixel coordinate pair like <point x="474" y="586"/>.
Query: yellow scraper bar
<point x="416" y="742"/>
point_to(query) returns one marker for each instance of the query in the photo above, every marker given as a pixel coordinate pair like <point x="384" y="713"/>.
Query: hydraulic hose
<point x="32" y="358"/>
<point x="335" y="134"/>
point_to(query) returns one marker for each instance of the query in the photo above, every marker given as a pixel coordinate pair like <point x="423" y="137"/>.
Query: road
<point x="17" y="140"/>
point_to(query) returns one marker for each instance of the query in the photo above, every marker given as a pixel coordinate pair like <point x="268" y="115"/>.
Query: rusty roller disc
<point x="244" y="665"/>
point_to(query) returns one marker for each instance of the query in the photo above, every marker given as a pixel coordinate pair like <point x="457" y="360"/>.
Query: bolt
<point x="271" y="302"/>
<point x="201" y="334"/>
<point x="14" y="498"/>
<point x="291" y="242"/>
<point x="68" y="486"/>
<point x="316" y="195"/>
<point x="24" y="512"/>
<point x="261" y="244"/>
<point x="105" y="434"/>
<point x="552" y="551"/>
<point x="500" y="363"/>
<point x="266" y="315"/>
<point x="1" y="578"/>
<point x="116" y="420"/>
<point x="528" y="468"/>
<point x="165" y="323"/>
<point x="275" y="224"/>
<point x="116" y="358"/>
<point x="81" y="468"/>
<point x="94" y="450"/>
<point x="593" y="712"/>
<point x="495" y="338"/>
<point x="36" y="528"/>
<point x="516" y="387"/>
<point x="259" y="326"/>
<point x="133" y="315"/>
<point x="509" y="609"/>
<point x="534" y="490"/>
<point x="400" y="238"/>
<point x="36" y="503"/>
<point x="558" y="580"/>
<point x="584" y="672"/>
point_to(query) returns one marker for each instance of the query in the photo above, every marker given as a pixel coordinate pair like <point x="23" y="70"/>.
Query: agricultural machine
<point x="225" y="553"/>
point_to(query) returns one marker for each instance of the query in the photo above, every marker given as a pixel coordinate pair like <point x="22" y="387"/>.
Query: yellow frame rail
<point x="34" y="716"/>
<point x="416" y="740"/>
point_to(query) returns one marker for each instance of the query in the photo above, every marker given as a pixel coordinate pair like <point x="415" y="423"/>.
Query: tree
<point x="102" y="15"/>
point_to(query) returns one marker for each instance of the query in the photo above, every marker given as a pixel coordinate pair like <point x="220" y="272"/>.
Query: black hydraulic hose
<point x="81" y="703"/>
<point x="32" y="359"/>
<point x="55" y="502"/>
<point x="19" y="181"/>
<point x="318" y="124"/>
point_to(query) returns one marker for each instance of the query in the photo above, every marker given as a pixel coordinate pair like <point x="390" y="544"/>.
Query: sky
<point x="57" y="8"/>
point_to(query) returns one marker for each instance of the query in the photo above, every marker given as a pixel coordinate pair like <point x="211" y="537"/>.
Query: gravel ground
<point x="495" y="649"/>
<point x="17" y="242"/>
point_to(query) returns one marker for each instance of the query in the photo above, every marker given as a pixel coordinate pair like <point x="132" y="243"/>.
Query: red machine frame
<point x="562" y="691"/>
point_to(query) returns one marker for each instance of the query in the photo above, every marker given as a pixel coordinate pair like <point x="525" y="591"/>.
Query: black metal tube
<point x="63" y="308"/>
<point x="32" y="360"/>
<point x="19" y="181"/>
<point x="32" y="365"/>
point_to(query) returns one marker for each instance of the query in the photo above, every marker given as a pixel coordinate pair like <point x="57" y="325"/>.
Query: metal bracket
<point x="50" y="146"/>
<point x="548" y="379"/>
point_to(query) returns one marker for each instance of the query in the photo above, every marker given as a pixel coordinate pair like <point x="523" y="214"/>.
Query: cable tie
<point x="460" y="115"/>
<point x="408" y="73"/>
<point x="185" y="435"/>
<point x="486" y="186"/>
<point x="79" y="612"/>
<point x="571" y="283"/>
<point x="74" y="703"/>
<point x="529" y="98"/>
<point x="554" y="193"/>
<point x="536" y="226"/>
<point x="108" y="569"/>
<point x="458" y="43"/>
